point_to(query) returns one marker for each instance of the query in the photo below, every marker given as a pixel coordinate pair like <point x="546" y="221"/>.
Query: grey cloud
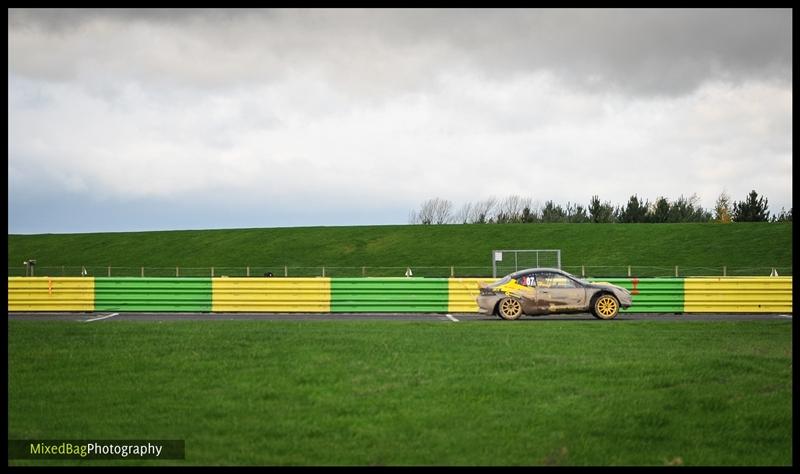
<point x="382" y="51"/>
<point x="646" y="52"/>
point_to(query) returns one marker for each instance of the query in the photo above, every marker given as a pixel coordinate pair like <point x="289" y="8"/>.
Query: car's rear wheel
<point x="605" y="307"/>
<point x="509" y="308"/>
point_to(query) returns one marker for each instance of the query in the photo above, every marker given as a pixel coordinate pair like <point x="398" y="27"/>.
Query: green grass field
<point x="412" y="393"/>
<point x="737" y="245"/>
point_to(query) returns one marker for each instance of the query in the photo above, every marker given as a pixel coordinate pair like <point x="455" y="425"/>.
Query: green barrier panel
<point x="651" y="295"/>
<point x="389" y="295"/>
<point x="152" y="294"/>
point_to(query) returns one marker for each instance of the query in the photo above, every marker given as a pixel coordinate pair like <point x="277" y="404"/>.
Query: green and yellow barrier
<point x="355" y="295"/>
<point x="462" y="293"/>
<point x="651" y="295"/>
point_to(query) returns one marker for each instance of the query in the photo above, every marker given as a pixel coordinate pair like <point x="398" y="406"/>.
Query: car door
<point x="524" y="288"/>
<point x="559" y="293"/>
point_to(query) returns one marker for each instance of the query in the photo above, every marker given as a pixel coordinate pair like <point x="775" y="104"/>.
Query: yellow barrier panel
<point x="738" y="295"/>
<point x="462" y="293"/>
<point x="289" y="295"/>
<point x="50" y="293"/>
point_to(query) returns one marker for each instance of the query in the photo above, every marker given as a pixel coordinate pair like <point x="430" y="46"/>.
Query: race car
<point x="539" y="291"/>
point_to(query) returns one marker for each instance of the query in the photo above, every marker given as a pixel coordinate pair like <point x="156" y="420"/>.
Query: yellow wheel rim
<point x="511" y="307"/>
<point x="607" y="306"/>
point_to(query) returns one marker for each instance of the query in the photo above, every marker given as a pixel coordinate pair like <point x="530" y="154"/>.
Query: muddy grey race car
<point x="538" y="291"/>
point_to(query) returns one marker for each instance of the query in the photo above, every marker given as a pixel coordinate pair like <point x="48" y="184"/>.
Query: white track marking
<point x="785" y="316"/>
<point x="101" y="317"/>
<point x="451" y="318"/>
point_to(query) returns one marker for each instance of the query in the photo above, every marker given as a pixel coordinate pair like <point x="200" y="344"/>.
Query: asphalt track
<point x="110" y="317"/>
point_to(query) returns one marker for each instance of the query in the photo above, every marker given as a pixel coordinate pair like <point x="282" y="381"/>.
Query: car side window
<point x="527" y="280"/>
<point x="544" y="279"/>
<point x="554" y="280"/>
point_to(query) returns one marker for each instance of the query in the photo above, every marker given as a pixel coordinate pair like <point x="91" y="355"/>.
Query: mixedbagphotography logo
<point x="96" y="449"/>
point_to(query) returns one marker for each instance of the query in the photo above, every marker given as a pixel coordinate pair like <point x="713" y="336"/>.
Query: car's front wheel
<point x="509" y="308"/>
<point x="605" y="307"/>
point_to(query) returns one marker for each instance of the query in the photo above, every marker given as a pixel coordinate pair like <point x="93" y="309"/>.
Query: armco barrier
<point x="650" y="295"/>
<point x="462" y="293"/>
<point x="50" y="294"/>
<point x="389" y="295"/>
<point x="271" y="295"/>
<point x="436" y="295"/>
<point x="738" y="295"/>
<point x="152" y="294"/>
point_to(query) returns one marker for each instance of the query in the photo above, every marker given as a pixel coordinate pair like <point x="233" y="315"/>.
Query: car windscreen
<point x="582" y="281"/>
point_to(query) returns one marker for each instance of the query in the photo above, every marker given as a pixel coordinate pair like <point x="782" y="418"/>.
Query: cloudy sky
<point x="198" y="119"/>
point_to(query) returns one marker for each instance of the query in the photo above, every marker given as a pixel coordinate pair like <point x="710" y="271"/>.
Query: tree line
<point x="519" y="209"/>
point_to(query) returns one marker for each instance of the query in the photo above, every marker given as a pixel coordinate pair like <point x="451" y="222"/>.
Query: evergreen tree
<point x="576" y="213"/>
<point x="635" y="211"/>
<point x="553" y="213"/>
<point x="783" y="216"/>
<point x="660" y="211"/>
<point x="752" y="209"/>
<point x="601" y="212"/>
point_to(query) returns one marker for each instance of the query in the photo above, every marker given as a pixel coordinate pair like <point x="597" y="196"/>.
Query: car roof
<point x="538" y="269"/>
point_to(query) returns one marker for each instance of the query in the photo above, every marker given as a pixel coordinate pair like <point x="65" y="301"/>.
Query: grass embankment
<point x="396" y="393"/>
<point x="738" y="245"/>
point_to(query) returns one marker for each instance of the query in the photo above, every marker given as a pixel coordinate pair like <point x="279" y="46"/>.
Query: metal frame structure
<point x="516" y="259"/>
